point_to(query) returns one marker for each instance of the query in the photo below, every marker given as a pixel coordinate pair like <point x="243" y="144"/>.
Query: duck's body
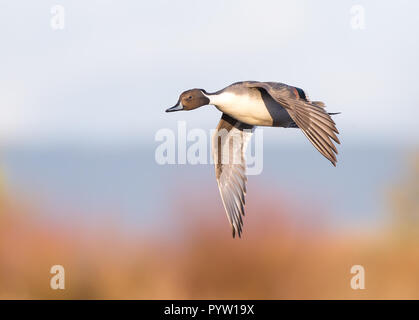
<point x="248" y="104"/>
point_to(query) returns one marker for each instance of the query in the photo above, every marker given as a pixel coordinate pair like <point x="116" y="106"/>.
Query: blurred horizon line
<point x="294" y="141"/>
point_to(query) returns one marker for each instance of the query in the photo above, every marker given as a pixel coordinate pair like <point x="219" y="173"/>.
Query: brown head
<point x="189" y="100"/>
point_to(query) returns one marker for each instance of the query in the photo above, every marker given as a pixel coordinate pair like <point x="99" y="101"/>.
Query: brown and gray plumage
<point x="246" y="105"/>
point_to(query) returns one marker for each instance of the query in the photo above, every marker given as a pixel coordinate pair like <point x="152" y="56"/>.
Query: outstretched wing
<point x="229" y="144"/>
<point x="310" y="117"/>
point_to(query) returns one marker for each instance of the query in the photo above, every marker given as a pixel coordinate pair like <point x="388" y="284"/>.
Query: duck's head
<point x="190" y="99"/>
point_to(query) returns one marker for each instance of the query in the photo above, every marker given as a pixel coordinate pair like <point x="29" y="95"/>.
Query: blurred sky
<point x="110" y="73"/>
<point x="107" y="77"/>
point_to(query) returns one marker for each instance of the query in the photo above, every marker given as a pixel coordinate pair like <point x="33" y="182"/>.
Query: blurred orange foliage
<point x="279" y="257"/>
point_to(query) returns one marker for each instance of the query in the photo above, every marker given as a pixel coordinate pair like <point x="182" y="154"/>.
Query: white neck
<point x="220" y="99"/>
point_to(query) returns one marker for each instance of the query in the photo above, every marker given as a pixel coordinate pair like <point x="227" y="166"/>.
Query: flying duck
<point x="248" y="104"/>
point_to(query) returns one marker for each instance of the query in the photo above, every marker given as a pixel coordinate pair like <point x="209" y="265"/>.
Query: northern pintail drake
<point x="248" y="104"/>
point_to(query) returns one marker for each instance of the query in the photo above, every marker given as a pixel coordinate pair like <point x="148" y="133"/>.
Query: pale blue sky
<point x="117" y="65"/>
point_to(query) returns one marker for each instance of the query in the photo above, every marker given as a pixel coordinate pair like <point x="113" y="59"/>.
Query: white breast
<point x="245" y="108"/>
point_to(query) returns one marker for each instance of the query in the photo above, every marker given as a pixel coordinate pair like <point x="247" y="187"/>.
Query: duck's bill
<point x="177" y="107"/>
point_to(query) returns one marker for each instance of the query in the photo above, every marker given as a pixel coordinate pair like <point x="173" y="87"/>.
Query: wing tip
<point x="239" y="232"/>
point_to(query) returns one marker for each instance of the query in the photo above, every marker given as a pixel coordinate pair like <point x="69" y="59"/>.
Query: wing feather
<point x="310" y="117"/>
<point x="229" y="144"/>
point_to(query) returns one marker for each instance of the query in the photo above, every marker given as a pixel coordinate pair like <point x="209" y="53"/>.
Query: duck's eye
<point x="190" y="97"/>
